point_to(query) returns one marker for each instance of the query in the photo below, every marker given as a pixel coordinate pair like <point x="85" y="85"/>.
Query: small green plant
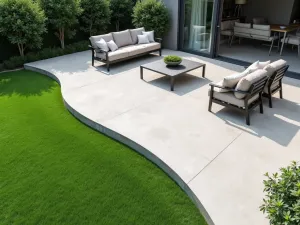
<point x="153" y="15"/>
<point x="282" y="200"/>
<point x="172" y="58"/>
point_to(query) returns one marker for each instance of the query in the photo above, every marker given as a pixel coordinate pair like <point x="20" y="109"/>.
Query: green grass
<point x="55" y="170"/>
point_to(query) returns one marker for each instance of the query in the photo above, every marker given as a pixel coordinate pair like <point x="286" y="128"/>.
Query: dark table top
<point x="160" y="67"/>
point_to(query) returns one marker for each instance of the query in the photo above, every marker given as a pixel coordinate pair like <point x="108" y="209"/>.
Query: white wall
<point x="276" y="11"/>
<point x="171" y="38"/>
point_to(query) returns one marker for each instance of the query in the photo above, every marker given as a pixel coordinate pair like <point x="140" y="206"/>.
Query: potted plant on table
<point x="172" y="60"/>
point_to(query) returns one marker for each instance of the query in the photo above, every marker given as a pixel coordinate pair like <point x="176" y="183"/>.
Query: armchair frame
<point x="256" y="88"/>
<point x="108" y="62"/>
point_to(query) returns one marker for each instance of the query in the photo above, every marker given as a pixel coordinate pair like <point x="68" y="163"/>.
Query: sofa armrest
<point x="228" y="89"/>
<point x="159" y="40"/>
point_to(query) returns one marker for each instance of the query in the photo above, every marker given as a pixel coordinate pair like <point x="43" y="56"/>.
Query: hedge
<point x="46" y="53"/>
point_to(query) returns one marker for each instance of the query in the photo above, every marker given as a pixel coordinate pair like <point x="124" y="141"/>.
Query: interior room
<point x="261" y="30"/>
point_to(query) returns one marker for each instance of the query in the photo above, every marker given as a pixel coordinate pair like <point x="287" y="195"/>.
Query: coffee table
<point x="172" y="71"/>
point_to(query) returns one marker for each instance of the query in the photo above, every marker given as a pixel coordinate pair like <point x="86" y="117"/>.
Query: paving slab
<point x="214" y="157"/>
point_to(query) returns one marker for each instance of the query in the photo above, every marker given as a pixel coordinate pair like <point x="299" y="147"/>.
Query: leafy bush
<point x="1" y="67"/>
<point x="172" y="58"/>
<point x="153" y="15"/>
<point x="23" y="23"/>
<point x="46" y="53"/>
<point x="121" y="12"/>
<point x="282" y="201"/>
<point x="95" y="17"/>
<point x="62" y="15"/>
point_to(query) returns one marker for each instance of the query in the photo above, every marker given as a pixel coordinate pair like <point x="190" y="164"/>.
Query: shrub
<point x="172" y="58"/>
<point x="62" y="15"/>
<point x="153" y="15"/>
<point x="1" y="67"/>
<point x="282" y="200"/>
<point x="23" y="23"/>
<point x="95" y="17"/>
<point x="121" y="12"/>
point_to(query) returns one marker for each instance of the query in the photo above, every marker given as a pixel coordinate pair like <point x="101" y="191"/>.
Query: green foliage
<point x="23" y="23"/>
<point x="1" y="67"/>
<point x="95" y="17"/>
<point x="172" y="58"/>
<point x="153" y="15"/>
<point x="121" y="12"/>
<point x="46" y="53"/>
<point x="62" y="15"/>
<point x="282" y="200"/>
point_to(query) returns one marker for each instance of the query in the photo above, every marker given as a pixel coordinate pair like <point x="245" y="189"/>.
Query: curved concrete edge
<point x="133" y="145"/>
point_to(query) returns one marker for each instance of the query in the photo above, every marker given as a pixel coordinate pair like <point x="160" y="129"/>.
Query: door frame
<point x="215" y="35"/>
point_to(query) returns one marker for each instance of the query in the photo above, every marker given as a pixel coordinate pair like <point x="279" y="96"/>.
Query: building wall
<point x="171" y="38"/>
<point x="276" y="11"/>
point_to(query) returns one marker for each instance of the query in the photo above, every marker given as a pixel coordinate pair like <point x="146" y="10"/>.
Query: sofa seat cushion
<point x="227" y="32"/>
<point x="273" y="87"/>
<point x="229" y="97"/>
<point x="242" y="30"/>
<point x="105" y="37"/>
<point x="122" y="38"/>
<point x="245" y="83"/>
<point x="134" y="33"/>
<point x="151" y="46"/>
<point x="113" y="56"/>
<point x="134" y="49"/>
<point x="263" y="38"/>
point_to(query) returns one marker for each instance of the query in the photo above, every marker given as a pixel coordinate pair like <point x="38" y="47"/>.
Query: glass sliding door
<point x="197" y="25"/>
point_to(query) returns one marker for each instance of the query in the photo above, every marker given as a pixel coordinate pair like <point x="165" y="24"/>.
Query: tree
<point x="153" y="15"/>
<point x="62" y="15"/>
<point x="23" y="23"/>
<point x="121" y="12"/>
<point x="96" y="16"/>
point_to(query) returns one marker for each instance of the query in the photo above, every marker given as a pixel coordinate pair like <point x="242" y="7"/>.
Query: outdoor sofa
<point x="128" y="47"/>
<point x="244" y="91"/>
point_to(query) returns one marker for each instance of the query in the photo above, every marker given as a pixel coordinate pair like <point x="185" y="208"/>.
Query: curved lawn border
<point x="135" y="146"/>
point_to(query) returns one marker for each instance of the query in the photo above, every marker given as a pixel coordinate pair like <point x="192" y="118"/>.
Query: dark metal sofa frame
<point x="108" y="62"/>
<point x="277" y="76"/>
<point x="256" y="88"/>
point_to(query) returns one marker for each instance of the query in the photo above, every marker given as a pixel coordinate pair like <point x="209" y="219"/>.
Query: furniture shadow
<point x="127" y="65"/>
<point x="184" y="83"/>
<point x="279" y="124"/>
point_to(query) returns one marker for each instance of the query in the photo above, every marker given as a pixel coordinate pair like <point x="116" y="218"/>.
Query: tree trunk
<point x="117" y="26"/>
<point x="62" y="37"/>
<point x="21" y="49"/>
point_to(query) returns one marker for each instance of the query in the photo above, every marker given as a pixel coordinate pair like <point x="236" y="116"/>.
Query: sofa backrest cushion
<point x="105" y="37"/>
<point x="261" y="30"/>
<point x="244" y="25"/>
<point x="242" y="30"/>
<point x="274" y="66"/>
<point x="261" y="27"/>
<point x="226" y="25"/>
<point x="135" y="32"/>
<point x="246" y="82"/>
<point x="231" y="80"/>
<point x="122" y="38"/>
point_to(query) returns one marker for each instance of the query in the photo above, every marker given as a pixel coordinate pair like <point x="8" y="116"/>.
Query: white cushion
<point x="106" y="37"/>
<point x="122" y="38"/>
<point x="278" y="64"/>
<point x="134" y="49"/>
<point x="112" y="56"/>
<point x="150" y="35"/>
<point x="245" y="83"/>
<point x="244" y="25"/>
<point x="262" y="65"/>
<point x="232" y="80"/>
<point x="261" y="27"/>
<point x="102" y="45"/>
<point x="143" y="39"/>
<point x="151" y="46"/>
<point x="229" y="97"/>
<point x="253" y="67"/>
<point x="112" y="46"/>
<point x="134" y="33"/>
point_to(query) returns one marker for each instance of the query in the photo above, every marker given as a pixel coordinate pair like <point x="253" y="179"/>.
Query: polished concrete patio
<point x="219" y="160"/>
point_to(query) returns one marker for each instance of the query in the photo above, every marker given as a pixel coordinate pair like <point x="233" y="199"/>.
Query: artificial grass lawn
<point x="55" y="170"/>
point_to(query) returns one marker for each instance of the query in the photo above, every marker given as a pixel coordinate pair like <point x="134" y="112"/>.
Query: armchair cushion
<point x="122" y="38"/>
<point x="229" y="97"/>
<point x="134" y="33"/>
<point x="232" y="80"/>
<point x="246" y="82"/>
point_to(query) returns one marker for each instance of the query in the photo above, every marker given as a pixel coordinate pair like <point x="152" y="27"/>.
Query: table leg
<point x="172" y="83"/>
<point x="141" y="72"/>
<point x="278" y="46"/>
<point x="203" y="71"/>
<point x="283" y="42"/>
